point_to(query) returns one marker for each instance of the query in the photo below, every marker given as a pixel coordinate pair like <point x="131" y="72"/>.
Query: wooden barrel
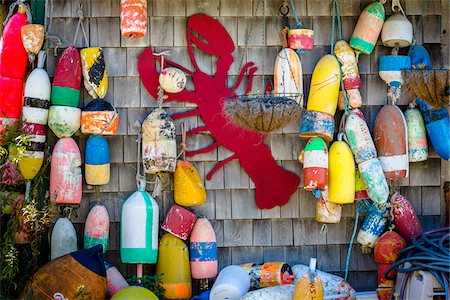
<point x="417" y="137"/>
<point x="203" y="250"/>
<point x="94" y="72"/>
<point x="341" y="170"/>
<point x="232" y="283"/>
<point x="368" y="28"/>
<point x="179" y="221"/>
<point x="67" y="79"/>
<point x="96" y="228"/>
<point x="99" y="117"/>
<point x="391" y="140"/>
<point x="133" y="18"/>
<point x="64" y="238"/>
<point x="97" y="167"/>
<point x="139" y="224"/>
<point x="173" y="264"/>
<point x="315" y="164"/>
<point x="65" y="172"/>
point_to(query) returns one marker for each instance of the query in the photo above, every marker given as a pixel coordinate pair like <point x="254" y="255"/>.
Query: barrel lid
<point x="98" y="105"/>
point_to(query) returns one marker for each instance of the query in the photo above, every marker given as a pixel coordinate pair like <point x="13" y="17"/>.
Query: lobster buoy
<point x="232" y="283"/>
<point x="397" y="31"/>
<point x="360" y="187"/>
<point x="269" y="274"/>
<point x="391" y="140"/>
<point x="325" y="82"/>
<point x="97" y="167"/>
<point x="94" y="72"/>
<point x="64" y="238"/>
<point x="406" y="222"/>
<point x="390" y="68"/>
<point x="386" y="251"/>
<point x="437" y="123"/>
<point x="13" y="64"/>
<point x="67" y="80"/>
<point x="359" y="138"/>
<point x="341" y="170"/>
<point x="368" y="28"/>
<point x="30" y="162"/>
<point x="96" y="228"/>
<point x="172" y="80"/>
<point x="114" y="280"/>
<point x="326" y="211"/>
<point x="159" y="148"/>
<point x="134" y="292"/>
<point x="417" y="137"/>
<point x="287" y="75"/>
<point x="315" y="123"/>
<point x="203" y="250"/>
<point x="64" y="121"/>
<point x="420" y="58"/>
<point x="372" y="227"/>
<point x="310" y="285"/>
<point x="189" y="189"/>
<point x="37" y="94"/>
<point x="315" y="164"/>
<point x="301" y="39"/>
<point x="65" y="172"/>
<point x="350" y="74"/>
<point x="179" y="221"/>
<point x="139" y="223"/>
<point x="173" y="264"/>
<point x="376" y="185"/>
<point x="86" y="269"/>
<point x="133" y="18"/>
<point x="99" y="117"/>
<point x="32" y="39"/>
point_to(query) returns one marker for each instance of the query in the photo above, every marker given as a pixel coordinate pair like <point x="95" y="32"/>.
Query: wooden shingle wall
<point x="244" y="232"/>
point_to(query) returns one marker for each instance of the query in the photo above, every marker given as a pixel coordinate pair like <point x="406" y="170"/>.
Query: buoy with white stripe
<point x="114" y="279"/>
<point x="97" y="167"/>
<point x="30" y="162"/>
<point x="173" y="264"/>
<point x="64" y="238"/>
<point x="391" y="140"/>
<point x="417" y="137"/>
<point x="94" y="72"/>
<point x="341" y="170"/>
<point x="315" y="164"/>
<point x="139" y="223"/>
<point x="64" y="121"/>
<point x="372" y="228"/>
<point x="96" y="228"/>
<point x="232" y="283"/>
<point x="203" y="250"/>
<point x="390" y="68"/>
<point x="67" y="80"/>
<point x="37" y="94"/>
<point x="65" y="172"/>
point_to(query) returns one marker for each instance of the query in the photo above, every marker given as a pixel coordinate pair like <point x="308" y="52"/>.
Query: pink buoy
<point x="179" y="221"/>
<point x="302" y="39"/>
<point x="65" y="173"/>
<point x="203" y="250"/>
<point x="114" y="279"/>
<point x="406" y="222"/>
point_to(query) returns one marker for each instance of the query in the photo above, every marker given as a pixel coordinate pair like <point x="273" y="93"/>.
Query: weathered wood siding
<point x="245" y="233"/>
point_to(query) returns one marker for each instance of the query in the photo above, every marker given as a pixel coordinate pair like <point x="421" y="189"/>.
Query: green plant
<point x="82" y="294"/>
<point x="152" y="283"/>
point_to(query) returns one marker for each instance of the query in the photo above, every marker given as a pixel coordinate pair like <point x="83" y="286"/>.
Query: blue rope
<point x="349" y="250"/>
<point x="297" y="20"/>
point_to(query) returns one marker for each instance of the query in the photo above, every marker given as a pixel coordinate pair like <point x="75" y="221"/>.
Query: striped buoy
<point x="315" y="164"/>
<point x="65" y="172"/>
<point x="67" y="79"/>
<point x="315" y="123"/>
<point x="390" y="68"/>
<point x="417" y="137"/>
<point x="30" y="162"/>
<point x="37" y="94"/>
<point x="99" y="117"/>
<point x="372" y="227"/>
<point x="173" y="264"/>
<point x="64" y="238"/>
<point x="96" y="228"/>
<point x="97" y="167"/>
<point x="94" y="72"/>
<point x="203" y="250"/>
<point x="302" y="39"/>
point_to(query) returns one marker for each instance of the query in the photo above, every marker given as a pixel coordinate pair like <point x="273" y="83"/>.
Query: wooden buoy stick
<point x="27" y="190"/>
<point x="139" y="271"/>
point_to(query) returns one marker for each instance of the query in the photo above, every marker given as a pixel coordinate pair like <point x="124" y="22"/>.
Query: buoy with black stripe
<point x="32" y="159"/>
<point x="37" y="94"/>
<point x="315" y="164"/>
<point x="97" y="168"/>
<point x="94" y="72"/>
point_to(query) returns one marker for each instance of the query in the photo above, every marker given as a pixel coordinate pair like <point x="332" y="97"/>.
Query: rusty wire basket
<point x="263" y="114"/>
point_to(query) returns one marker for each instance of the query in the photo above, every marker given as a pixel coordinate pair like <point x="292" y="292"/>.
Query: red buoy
<point x="179" y="221"/>
<point x="386" y="251"/>
<point x="406" y="222"/>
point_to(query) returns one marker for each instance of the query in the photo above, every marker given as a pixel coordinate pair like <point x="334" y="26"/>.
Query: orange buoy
<point x="133" y="18"/>
<point x="391" y="140"/>
<point x="189" y="189"/>
<point x="269" y="274"/>
<point x="386" y="251"/>
<point x="33" y="39"/>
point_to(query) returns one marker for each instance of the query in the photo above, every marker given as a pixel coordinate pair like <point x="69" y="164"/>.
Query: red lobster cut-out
<point x="274" y="185"/>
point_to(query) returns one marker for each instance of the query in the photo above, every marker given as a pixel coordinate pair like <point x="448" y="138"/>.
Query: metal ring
<point x="284" y="14"/>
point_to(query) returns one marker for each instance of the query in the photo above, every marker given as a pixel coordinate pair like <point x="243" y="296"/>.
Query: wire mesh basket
<point x="429" y="85"/>
<point x="263" y="114"/>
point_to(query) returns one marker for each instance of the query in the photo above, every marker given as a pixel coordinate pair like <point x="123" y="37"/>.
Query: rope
<point x="183" y="142"/>
<point x="297" y="20"/>
<point x="80" y="24"/>
<point x="265" y="46"/>
<point x="350" y="245"/>
<point x="20" y="3"/>
<point x="396" y="4"/>
<point x="140" y="180"/>
<point x="335" y="14"/>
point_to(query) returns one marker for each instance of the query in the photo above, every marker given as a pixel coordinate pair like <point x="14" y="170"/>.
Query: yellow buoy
<point x="189" y="188"/>
<point x="310" y="286"/>
<point x="325" y="82"/>
<point x="341" y="170"/>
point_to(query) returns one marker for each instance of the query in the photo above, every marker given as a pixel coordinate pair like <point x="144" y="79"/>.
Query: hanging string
<point x="80" y="25"/>
<point x="396" y="6"/>
<point x="22" y="5"/>
<point x="265" y="46"/>
<point x="140" y="180"/>
<point x="297" y="20"/>
<point x="335" y="14"/>
<point x="183" y="142"/>
<point x="350" y="245"/>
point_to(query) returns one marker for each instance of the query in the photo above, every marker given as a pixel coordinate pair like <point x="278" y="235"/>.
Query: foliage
<point x="82" y="294"/>
<point x="152" y="283"/>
